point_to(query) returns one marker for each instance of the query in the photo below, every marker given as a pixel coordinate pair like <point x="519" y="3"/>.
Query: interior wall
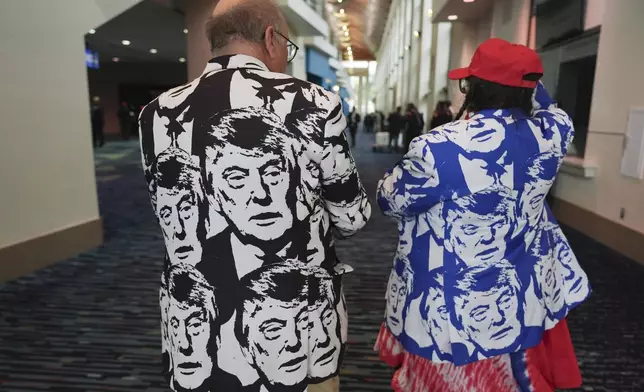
<point x="46" y="162"/>
<point x="197" y="14"/>
<point x="511" y="20"/>
<point x="443" y="45"/>
<point x="465" y="40"/>
<point x="595" y="10"/>
<point x="105" y="82"/>
<point x="618" y="87"/>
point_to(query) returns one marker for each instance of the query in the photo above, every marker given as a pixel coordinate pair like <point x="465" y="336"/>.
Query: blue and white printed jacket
<point x="482" y="267"/>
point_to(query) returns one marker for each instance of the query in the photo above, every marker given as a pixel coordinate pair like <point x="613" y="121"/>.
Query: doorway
<point x="575" y="96"/>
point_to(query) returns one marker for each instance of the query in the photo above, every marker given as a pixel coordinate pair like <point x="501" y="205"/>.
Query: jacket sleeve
<point x="344" y="196"/>
<point x="556" y="124"/>
<point x="412" y="186"/>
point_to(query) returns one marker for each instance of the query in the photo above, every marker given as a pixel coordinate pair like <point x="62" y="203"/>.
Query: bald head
<point x="243" y="20"/>
<point x="252" y="27"/>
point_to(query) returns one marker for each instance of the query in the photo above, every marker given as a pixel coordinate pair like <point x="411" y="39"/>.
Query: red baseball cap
<point x="499" y="61"/>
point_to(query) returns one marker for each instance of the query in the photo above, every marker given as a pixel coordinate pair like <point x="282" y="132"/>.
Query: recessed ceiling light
<point x="407" y="47"/>
<point x="416" y="33"/>
<point x="125" y="42"/>
<point x="430" y="12"/>
<point x="452" y="17"/>
<point x="185" y="31"/>
<point x="153" y="51"/>
<point x="345" y="28"/>
<point x="342" y="10"/>
<point x="92" y="31"/>
<point x="346" y="33"/>
<point x="116" y="59"/>
<point x="182" y="60"/>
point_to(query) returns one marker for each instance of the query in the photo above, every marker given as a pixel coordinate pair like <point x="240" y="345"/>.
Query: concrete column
<point x="360" y="97"/>
<point x="197" y="14"/>
<point x="419" y="51"/>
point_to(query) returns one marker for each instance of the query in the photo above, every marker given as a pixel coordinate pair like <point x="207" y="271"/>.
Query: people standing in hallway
<point x="252" y="179"/>
<point x="125" y="120"/>
<point x="442" y="114"/>
<point x="414" y="124"/>
<point x="354" y="121"/>
<point x="483" y="277"/>
<point x="396" y="123"/>
<point x="369" y="122"/>
<point x="97" y="119"/>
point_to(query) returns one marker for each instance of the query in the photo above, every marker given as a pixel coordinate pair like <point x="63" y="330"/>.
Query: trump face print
<point x="251" y="178"/>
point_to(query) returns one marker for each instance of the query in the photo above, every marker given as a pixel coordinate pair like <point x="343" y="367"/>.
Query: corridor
<point x="90" y="323"/>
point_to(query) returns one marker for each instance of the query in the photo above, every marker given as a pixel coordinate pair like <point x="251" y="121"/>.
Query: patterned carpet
<point x="90" y="323"/>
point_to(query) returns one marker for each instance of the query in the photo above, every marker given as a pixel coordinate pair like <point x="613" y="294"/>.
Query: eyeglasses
<point x="463" y="85"/>
<point x="292" y="48"/>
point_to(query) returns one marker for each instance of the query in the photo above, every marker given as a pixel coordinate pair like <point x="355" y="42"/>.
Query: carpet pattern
<point x="90" y="323"/>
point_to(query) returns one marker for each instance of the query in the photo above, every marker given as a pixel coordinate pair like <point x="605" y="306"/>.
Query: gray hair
<point x="246" y="21"/>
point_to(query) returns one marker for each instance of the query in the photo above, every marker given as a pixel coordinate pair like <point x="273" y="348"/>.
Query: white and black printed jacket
<point x="250" y="176"/>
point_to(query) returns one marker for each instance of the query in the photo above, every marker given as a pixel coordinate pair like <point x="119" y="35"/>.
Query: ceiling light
<point x="468" y="1"/>
<point x="452" y="17"/>
<point x="342" y="10"/>
<point x="116" y="59"/>
<point x="92" y="31"/>
<point x="125" y="42"/>
<point x="346" y="33"/>
<point x="430" y="12"/>
<point x="185" y="31"/>
<point x="182" y="60"/>
<point x="336" y="88"/>
<point x="407" y="47"/>
<point x="416" y="33"/>
<point x="153" y="51"/>
<point x="345" y="28"/>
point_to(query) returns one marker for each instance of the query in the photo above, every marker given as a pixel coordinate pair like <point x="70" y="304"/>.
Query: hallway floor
<point x="90" y="323"/>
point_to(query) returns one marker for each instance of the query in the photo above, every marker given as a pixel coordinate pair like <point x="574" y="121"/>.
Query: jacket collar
<point x="516" y="113"/>
<point x="235" y="61"/>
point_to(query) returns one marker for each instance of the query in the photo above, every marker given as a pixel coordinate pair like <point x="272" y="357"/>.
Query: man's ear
<point x="269" y="40"/>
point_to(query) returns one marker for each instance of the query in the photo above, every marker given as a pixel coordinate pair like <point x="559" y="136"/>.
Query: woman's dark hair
<point x="482" y="94"/>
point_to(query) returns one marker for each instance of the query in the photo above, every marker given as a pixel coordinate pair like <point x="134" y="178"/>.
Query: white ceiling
<point x="147" y="25"/>
<point x="465" y="11"/>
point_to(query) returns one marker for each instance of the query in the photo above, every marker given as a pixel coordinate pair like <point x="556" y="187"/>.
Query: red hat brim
<point x="459" y="73"/>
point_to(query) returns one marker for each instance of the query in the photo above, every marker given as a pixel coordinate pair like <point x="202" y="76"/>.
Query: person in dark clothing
<point x="442" y="114"/>
<point x="415" y="124"/>
<point x="369" y="122"/>
<point x="98" y="121"/>
<point x="125" y="120"/>
<point x="134" y="123"/>
<point x="354" y="120"/>
<point x="395" y="124"/>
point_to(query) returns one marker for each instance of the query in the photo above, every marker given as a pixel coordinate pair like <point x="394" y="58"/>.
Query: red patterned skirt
<point x="550" y="365"/>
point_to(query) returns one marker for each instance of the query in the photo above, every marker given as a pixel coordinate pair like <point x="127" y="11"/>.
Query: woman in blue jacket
<point x="482" y="269"/>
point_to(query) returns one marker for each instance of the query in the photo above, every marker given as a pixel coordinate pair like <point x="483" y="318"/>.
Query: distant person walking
<point x="98" y="122"/>
<point x="415" y="124"/>
<point x="125" y="120"/>
<point x="354" y="121"/>
<point x="395" y="122"/>
<point x="442" y="114"/>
